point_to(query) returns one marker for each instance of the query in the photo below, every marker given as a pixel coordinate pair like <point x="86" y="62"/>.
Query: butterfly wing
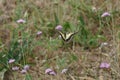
<point x="70" y="36"/>
<point x="67" y="37"/>
<point x="62" y="35"/>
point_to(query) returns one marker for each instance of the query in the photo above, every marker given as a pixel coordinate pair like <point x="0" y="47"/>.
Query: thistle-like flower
<point x="15" y="68"/>
<point x="58" y="27"/>
<point x="104" y="65"/>
<point x="105" y="14"/>
<point x="39" y="32"/>
<point x="50" y="72"/>
<point x="26" y="67"/>
<point x="11" y="61"/>
<point x="23" y="71"/>
<point x="21" y="21"/>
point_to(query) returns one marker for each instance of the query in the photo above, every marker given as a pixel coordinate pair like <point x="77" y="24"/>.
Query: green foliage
<point x="56" y="20"/>
<point x="66" y="26"/>
<point x="61" y="62"/>
<point x="18" y="50"/>
<point x="28" y="77"/>
<point x="74" y="57"/>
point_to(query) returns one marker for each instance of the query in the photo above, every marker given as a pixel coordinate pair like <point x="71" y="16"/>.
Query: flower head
<point x="15" y="68"/>
<point x="21" y="21"/>
<point x="26" y="67"/>
<point x="11" y="61"/>
<point x="94" y="9"/>
<point x="58" y="27"/>
<point x="39" y="32"/>
<point x="50" y="72"/>
<point x="64" y="71"/>
<point x="104" y="65"/>
<point x="105" y="14"/>
<point x="104" y="44"/>
<point x="23" y="71"/>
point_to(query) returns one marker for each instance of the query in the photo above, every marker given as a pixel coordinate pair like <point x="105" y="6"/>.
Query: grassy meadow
<point x="31" y="47"/>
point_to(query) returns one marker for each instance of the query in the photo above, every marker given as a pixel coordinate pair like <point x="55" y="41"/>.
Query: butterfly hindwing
<point x="69" y="36"/>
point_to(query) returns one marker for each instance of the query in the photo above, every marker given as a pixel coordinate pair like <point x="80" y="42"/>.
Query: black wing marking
<point x="69" y="36"/>
<point x="62" y="35"/>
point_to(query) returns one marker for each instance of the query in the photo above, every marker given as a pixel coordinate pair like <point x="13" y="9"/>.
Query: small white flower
<point x="20" y="40"/>
<point x="104" y="44"/>
<point x="94" y="9"/>
<point x="64" y="71"/>
<point x="59" y="37"/>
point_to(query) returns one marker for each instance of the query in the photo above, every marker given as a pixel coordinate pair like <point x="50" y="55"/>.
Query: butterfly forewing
<point x="69" y="36"/>
<point x="62" y="35"/>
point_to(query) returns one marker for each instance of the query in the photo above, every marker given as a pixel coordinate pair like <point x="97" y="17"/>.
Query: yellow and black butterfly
<point x="67" y="36"/>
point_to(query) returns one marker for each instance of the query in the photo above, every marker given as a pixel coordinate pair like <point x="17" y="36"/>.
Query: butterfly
<point x="67" y="36"/>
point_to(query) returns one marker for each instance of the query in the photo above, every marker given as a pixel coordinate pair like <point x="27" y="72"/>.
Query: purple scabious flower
<point x="21" y="21"/>
<point x="26" y="67"/>
<point x="58" y="27"/>
<point x="50" y="72"/>
<point x="104" y="65"/>
<point x="105" y="14"/>
<point x="39" y="32"/>
<point x="15" y="68"/>
<point x="11" y="61"/>
<point x="23" y="71"/>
